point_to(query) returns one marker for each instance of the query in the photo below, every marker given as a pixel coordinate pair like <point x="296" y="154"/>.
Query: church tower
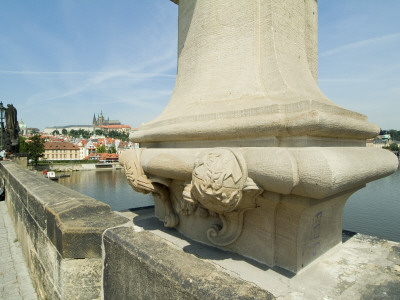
<point x="100" y="120"/>
<point x="94" y="120"/>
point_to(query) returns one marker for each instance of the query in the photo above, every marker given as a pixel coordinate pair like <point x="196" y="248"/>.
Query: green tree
<point x="118" y="135"/>
<point x="112" y="149"/>
<point x="99" y="132"/>
<point x="394" y="147"/>
<point x="64" y="131"/>
<point x="55" y="132"/>
<point x="395" y="134"/>
<point x="113" y="134"/>
<point x="101" y="149"/>
<point x="73" y="133"/>
<point x="22" y="145"/>
<point x="35" y="148"/>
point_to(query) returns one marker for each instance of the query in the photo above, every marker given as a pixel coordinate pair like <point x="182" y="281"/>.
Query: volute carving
<point x="134" y="171"/>
<point x="138" y="180"/>
<point x="218" y="179"/>
<point x="221" y="185"/>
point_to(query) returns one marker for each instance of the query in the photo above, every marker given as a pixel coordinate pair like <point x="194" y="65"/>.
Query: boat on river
<point x="52" y="175"/>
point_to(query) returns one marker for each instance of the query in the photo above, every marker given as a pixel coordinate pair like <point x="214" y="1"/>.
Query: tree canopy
<point x="394" y="134"/>
<point x="118" y="135"/>
<point x="81" y="132"/>
<point x="22" y="145"/>
<point x="99" y="132"/>
<point x="112" y="149"/>
<point x="394" y="147"/>
<point x="101" y="149"/>
<point x="35" y="148"/>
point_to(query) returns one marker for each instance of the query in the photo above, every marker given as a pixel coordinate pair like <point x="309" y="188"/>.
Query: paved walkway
<point x="15" y="281"/>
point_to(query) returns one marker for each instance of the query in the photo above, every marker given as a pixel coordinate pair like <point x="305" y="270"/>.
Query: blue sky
<point x="63" y="61"/>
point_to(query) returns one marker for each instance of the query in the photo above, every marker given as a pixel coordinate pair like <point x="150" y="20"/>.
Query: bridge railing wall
<point x="60" y="231"/>
<point x="77" y="248"/>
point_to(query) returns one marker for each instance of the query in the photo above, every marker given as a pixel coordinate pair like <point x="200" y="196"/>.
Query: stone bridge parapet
<point x="76" y="247"/>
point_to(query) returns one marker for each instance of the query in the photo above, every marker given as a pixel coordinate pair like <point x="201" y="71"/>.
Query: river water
<point x="373" y="210"/>
<point x="108" y="186"/>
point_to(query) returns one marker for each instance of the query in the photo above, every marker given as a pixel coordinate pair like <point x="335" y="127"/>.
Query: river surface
<point x="373" y="210"/>
<point x="108" y="186"/>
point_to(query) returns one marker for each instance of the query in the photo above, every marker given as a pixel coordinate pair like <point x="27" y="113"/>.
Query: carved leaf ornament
<point x="218" y="179"/>
<point x="220" y="184"/>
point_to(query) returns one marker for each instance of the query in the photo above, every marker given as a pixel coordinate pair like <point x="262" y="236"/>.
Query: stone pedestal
<point x="249" y="155"/>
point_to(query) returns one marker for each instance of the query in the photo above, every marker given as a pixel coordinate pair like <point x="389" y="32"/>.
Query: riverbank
<point x="71" y="167"/>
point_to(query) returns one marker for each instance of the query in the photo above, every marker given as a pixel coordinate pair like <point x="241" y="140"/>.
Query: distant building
<point x="32" y="130"/>
<point x="109" y="125"/>
<point x="50" y="130"/>
<point x="119" y="128"/>
<point x="106" y="157"/>
<point x="98" y="122"/>
<point x="381" y="141"/>
<point x="22" y="128"/>
<point x="61" y="151"/>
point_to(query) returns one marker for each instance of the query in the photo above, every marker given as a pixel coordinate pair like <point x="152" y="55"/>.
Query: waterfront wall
<point x="77" y="248"/>
<point x="71" y="167"/>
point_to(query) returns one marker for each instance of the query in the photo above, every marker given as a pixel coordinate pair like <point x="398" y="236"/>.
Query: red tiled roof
<point x="104" y="156"/>
<point x="115" y="126"/>
<point x="60" y="145"/>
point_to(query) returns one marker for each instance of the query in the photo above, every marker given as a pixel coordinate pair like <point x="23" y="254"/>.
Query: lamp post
<point x="2" y="117"/>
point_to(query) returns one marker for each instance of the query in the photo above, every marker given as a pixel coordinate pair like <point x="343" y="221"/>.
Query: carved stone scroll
<point x="218" y="180"/>
<point x="220" y="184"/>
<point x="134" y="172"/>
<point x="130" y="160"/>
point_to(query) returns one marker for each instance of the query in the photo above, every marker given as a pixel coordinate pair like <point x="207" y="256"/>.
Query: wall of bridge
<point x="77" y="248"/>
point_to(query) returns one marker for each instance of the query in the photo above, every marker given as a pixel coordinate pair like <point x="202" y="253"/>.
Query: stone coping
<point x="73" y="222"/>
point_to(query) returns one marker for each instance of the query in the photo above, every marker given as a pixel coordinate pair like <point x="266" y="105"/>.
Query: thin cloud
<point x="110" y="73"/>
<point x="160" y="65"/>
<point x="342" y="80"/>
<point x="359" y="44"/>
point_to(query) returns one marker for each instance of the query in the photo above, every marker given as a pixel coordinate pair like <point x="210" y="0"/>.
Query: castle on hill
<point x="101" y="121"/>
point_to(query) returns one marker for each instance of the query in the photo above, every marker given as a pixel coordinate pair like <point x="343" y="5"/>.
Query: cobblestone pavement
<point x="15" y="281"/>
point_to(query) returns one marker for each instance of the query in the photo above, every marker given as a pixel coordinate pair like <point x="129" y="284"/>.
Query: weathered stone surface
<point x="83" y="273"/>
<point x="247" y="118"/>
<point x="297" y="185"/>
<point x="57" y="225"/>
<point x="37" y="210"/>
<point x="248" y="70"/>
<point x="362" y="266"/>
<point x="76" y="226"/>
<point x="156" y="269"/>
<point x="18" y="188"/>
<point x="74" y="222"/>
<point x="81" y="237"/>
<point x="42" y="280"/>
